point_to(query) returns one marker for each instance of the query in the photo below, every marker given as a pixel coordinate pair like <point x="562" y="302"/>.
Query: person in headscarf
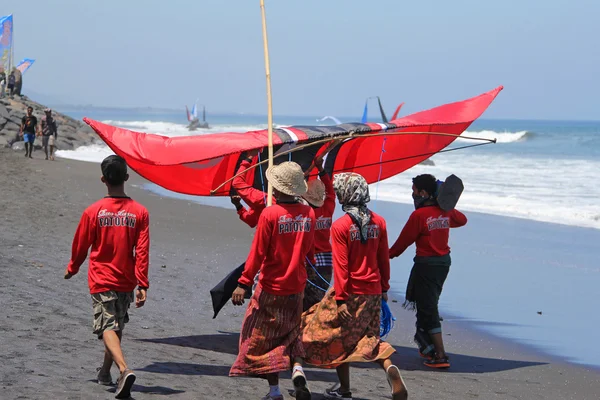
<point x="429" y="227"/>
<point x="270" y="338"/>
<point x="344" y="327"/>
<point x="321" y="197"/>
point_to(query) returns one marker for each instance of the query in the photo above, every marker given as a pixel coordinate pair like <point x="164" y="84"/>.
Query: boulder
<point x="62" y="144"/>
<point x="71" y="132"/>
<point x="4" y="111"/>
<point x="18" y="146"/>
<point x="11" y="127"/>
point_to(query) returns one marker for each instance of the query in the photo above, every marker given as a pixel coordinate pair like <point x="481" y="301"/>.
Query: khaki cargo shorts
<point x="48" y="140"/>
<point x="110" y="311"/>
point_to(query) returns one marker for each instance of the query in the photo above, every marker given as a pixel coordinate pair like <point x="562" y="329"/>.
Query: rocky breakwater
<point x="71" y="133"/>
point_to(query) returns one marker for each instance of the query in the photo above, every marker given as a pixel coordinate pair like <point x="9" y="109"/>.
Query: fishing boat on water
<point x="194" y="122"/>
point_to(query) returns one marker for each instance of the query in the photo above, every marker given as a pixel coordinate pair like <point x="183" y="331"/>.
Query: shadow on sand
<point x="406" y="358"/>
<point x="156" y="390"/>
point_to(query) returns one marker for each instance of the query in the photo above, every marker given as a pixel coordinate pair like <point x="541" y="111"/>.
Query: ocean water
<point x="541" y="174"/>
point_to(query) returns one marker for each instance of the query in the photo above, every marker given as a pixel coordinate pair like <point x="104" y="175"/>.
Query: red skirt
<point x="270" y="337"/>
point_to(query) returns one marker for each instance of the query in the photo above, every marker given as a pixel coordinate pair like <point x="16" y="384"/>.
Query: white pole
<point x="269" y="99"/>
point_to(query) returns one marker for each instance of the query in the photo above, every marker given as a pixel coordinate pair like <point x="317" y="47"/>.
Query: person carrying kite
<point x="243" y="190"/>
<point x="321" y="197"/>
<point x="429" y="227"/>
<point x="270" y="338"/>
<point x="344" y="327"/>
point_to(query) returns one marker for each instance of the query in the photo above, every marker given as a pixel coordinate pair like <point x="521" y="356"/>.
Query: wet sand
<point x="174" y="345"/>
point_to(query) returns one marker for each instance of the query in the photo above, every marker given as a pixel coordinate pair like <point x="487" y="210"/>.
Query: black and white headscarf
<point x="352" y="192"/>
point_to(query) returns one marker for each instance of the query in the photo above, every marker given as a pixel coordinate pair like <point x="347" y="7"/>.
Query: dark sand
<point x="178" y="351"/>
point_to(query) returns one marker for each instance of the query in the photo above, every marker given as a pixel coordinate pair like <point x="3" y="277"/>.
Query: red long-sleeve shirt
<point x="428" y="227"/>
<point x="323" y="217"/>
<point x="243" y="185"/>
<point x="284" y="238"/>
<point x="248" y="216"/>
<point x="117" y="229"/>
<point x="360" y="268"/>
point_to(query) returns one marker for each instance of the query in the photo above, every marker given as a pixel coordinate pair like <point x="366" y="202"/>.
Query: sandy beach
<point x="174" y="345"/>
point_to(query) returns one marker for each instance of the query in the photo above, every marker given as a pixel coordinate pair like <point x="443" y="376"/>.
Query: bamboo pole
<point x="269" y="99"/>
<point x="350" y="135"/>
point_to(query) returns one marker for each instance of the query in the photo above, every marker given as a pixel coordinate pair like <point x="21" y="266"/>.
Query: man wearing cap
<point x="270" y="338"/>
<point x="49" y="133"/>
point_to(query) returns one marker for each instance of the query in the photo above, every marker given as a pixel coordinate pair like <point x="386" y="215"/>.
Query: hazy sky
<point x="326" y="55"/>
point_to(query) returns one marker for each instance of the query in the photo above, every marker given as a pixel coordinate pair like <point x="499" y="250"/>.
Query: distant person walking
<point x="49" y="133"/>
<point x="28" y="131"/>
<point x="118" y="231"/>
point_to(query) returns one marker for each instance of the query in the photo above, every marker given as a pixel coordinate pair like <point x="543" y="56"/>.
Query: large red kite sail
<point x="203" y="165"/>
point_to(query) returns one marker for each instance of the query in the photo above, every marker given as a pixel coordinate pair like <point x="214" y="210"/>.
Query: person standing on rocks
<point x="29" y="125"/>
<point x="18" y="81"/>
<point x="49" y="133"/>
<point x="11" y="84"/>
<point x="2" y="83"/>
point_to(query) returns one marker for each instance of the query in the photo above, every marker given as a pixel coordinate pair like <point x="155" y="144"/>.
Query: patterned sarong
<point x="270" y="337"/>
<point x="329" y="343"/>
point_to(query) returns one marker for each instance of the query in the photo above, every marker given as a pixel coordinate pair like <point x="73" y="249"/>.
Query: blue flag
<point x="6" y="39"/>
<point x="25" y="64"/>
<point x="364" y="117"/>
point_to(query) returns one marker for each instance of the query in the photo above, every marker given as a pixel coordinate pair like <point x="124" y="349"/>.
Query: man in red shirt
<point x="429" y="227"/>
<point x="270" y="338"/>
<point x="117" y="230"/>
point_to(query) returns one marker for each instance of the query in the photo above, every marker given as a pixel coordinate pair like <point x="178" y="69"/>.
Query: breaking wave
<point x="501" y="137"/>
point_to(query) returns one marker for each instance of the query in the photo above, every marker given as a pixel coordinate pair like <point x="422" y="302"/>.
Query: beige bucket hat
<point x="288" y="178"/>
<point x="316" y="193"/>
